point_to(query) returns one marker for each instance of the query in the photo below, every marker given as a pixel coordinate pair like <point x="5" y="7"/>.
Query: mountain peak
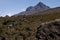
<point x="40" y="6"/>
<point x="40" y="3"/>
<point x="34" y="9"/>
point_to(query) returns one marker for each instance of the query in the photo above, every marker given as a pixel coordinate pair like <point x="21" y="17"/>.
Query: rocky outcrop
<point x="49" y="31"/>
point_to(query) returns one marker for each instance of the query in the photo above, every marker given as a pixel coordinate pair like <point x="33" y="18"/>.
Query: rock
<point x="49" y="31"/>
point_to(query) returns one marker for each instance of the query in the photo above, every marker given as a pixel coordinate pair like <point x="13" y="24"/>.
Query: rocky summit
<point x="39" y="7"/>
<point x="34" y="9"/>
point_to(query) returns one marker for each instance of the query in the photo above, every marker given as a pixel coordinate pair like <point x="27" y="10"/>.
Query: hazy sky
<point x="10" y="7"/>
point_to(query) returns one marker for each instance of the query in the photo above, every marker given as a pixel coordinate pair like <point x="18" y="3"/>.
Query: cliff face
<point x="49" y="31"/>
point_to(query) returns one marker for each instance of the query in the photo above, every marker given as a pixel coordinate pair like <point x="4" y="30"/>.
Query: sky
<point x="11" y="7"/>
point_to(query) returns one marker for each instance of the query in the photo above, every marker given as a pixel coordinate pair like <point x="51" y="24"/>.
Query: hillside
<point x="24" y="27"/>
<point x="49" y="30"/>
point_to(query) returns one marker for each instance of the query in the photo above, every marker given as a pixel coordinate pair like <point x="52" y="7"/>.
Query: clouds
<point x="4" y="13"/>
<point x="9" y="14"/>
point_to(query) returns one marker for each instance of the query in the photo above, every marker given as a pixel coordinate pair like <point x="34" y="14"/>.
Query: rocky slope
<point x="49" y="30"/>
<point x="45" y="31"/>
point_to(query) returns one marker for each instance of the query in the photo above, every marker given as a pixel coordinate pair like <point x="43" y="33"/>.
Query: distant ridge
<point x="34" y="9"/>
